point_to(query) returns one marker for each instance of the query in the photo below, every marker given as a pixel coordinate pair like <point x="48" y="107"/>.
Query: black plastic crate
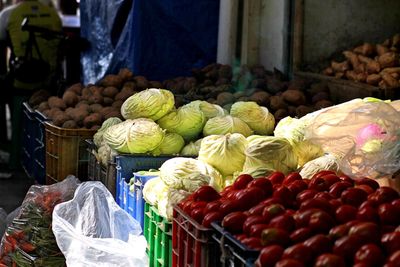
<point x="233" y="252"/>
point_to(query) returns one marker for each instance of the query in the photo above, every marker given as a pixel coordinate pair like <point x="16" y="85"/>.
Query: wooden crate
<point x="344" y="90"/>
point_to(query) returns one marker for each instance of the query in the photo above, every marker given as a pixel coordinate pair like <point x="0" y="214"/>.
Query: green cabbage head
<point x="191" y="149"/>
<point x="189" y="174"/>
<point x="98" y="136"/>
<point x="187" y="121"/>
<point x="293" y="130"/>
<point x="153" y="189"/>
<point x="168" y="199"/>
<point x="226" y="124"/>
<point x="224" y="152"/>
<point x="269" y="153"/>
<point x="151" y="103"/>
<point x="134" y="136"/>
<point x="260" y="120"/>
<point x="171" y="145"/>
<point x="209" y="110"/>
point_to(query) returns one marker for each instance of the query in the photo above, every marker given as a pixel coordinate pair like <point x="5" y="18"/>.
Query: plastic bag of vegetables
<point x="260" y="120"/>
<point x="224" y="152"/>
<point x="134" y="136"/>
<point x="189" y="174"/>
<point x="151" y="103"/>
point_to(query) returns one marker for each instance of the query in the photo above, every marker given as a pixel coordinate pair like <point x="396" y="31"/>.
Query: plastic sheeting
<point x="161" y="39"/>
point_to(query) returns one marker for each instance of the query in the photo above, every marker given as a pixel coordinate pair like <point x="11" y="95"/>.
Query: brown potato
<point x="366" y="49"/>
<point x="56" y="102"/>
<point x="110" y="92"/>
<point x="277" y="102"/>
<point x="323" y="104"/>
<point x="389" y="59"/>
<point x="328" y="71"/>
<point x="125" y="74"/>
<point x="340" y="67"/>
<point x="303" y="110"/>
<point x="70" y="98"/>
<point x="374" y="79"/>
<point x="390" y="81"/>
<point x="380" y="49"/>
<point x="294" y="97"/>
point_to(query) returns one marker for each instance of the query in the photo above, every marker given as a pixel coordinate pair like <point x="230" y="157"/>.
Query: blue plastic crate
<point x="39" y="152"/>
<point x="233" y="252"/>
<point x="28" y="132"/>
<point x="139" y="182"/>
<point x="129" y="164"/>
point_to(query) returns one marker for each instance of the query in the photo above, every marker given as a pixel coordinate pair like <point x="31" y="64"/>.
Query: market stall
<point x="215" y="164"/>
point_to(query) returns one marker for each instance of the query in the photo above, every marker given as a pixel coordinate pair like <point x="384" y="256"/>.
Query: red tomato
<point x="187" y="206"/>
<point x="297" y="186"/>
<point x="347" y="246"/>
<point x="198" y="204"/>
<point x="213" y="216"/>
<point x="324" y="195"/>
<point x="322" y="173"/>
<point x="321" y="222"/>
<point x="370" y="182"/>
<point x="242" y="181"/>
<point x="284" y="222"/>
<point x="395" y="257"/>
<point x="368" y="214"/>
<point x="231" y="194"/>
<point x="319" y="203"/>
<point x="318" y="244"/>
<point x="391" y="242"/>
<point x="256" y="229"/>
<point x="302" y="217"/>
<point x="212" y="206"/>
<point x="339" y="231"/>
<point x="197" y="215"/>
<point x="366" y="231"/>
<point x="306" y="194"/>
<point x="252" y="243"/>
<point x="233" y="222"/>
<point x="251" y="220"/>
<point x="319" y="184"/>
<point x="272" y="211"/>
<point x="298" y="252"/>
<point x="346" y="178"/>
<point x="262" y="183"/>
<point x="276" y="177"/>
<point x="329" y="260"/>
<point x="369" y="190"/>
<point x="274" y="236"/>
<point x="269" y="256"/>
<point x="346" y="213"/>
<point x="283" y="193"/>
<point x="257" y="210"/>
<point x="206" y="193"/>
<point x="249" y="197"/>
<point x="384" y="194"/>
<point x="389" y="214"/>
<point x="291" y="177"/>
<point x="289" y="263"/>
<point x="353" y="196"/>
<point x="300" y="234"/>
<point x="336" y="189"/>
<point x="370" y="254"/>
<point x="227" y="206"/>
<point x="330" y="179"/>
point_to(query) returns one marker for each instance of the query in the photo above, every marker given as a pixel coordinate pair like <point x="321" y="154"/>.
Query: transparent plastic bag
<point x="92" y="230"/>
<point x="365" y="136"/>
<point x="29" y="240"/>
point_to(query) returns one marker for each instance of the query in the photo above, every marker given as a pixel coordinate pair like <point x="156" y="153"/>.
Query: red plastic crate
<point x="192" y="244"/>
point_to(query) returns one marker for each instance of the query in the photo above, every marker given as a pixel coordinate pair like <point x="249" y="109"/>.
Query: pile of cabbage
<point x="153" y="125"/>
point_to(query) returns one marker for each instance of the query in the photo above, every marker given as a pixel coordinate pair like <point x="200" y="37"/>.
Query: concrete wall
<point x="330" y="26"/>
<point x="273" y="34"/>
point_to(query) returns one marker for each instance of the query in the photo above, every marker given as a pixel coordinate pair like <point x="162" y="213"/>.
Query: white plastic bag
<point x="91" y="230"/>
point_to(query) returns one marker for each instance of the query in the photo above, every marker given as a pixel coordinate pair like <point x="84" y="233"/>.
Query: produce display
<point x="325" y="220"/>
<point x="374" y="64"/>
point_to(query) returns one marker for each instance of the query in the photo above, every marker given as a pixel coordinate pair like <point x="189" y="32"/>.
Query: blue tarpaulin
<point x="160" y="39"/>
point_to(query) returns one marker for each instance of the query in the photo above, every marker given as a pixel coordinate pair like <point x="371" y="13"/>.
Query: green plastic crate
<point x="158" y="233"/>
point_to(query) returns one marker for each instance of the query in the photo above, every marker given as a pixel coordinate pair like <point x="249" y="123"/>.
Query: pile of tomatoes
<point x="329" y="220"/>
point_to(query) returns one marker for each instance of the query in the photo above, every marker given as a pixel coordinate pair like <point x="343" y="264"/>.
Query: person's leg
<point x="16" y="138"/>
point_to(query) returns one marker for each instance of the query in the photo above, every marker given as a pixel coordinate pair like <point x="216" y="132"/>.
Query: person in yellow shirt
<point x="33" y="60"/>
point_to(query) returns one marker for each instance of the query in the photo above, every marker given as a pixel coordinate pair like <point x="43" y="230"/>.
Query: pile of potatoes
<point x="377" y="65"/>
<point x="88" y="106"/>
<point x="223" y="85"/>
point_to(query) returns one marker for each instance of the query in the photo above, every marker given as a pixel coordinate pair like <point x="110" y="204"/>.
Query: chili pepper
<point x="27" y="247"/>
